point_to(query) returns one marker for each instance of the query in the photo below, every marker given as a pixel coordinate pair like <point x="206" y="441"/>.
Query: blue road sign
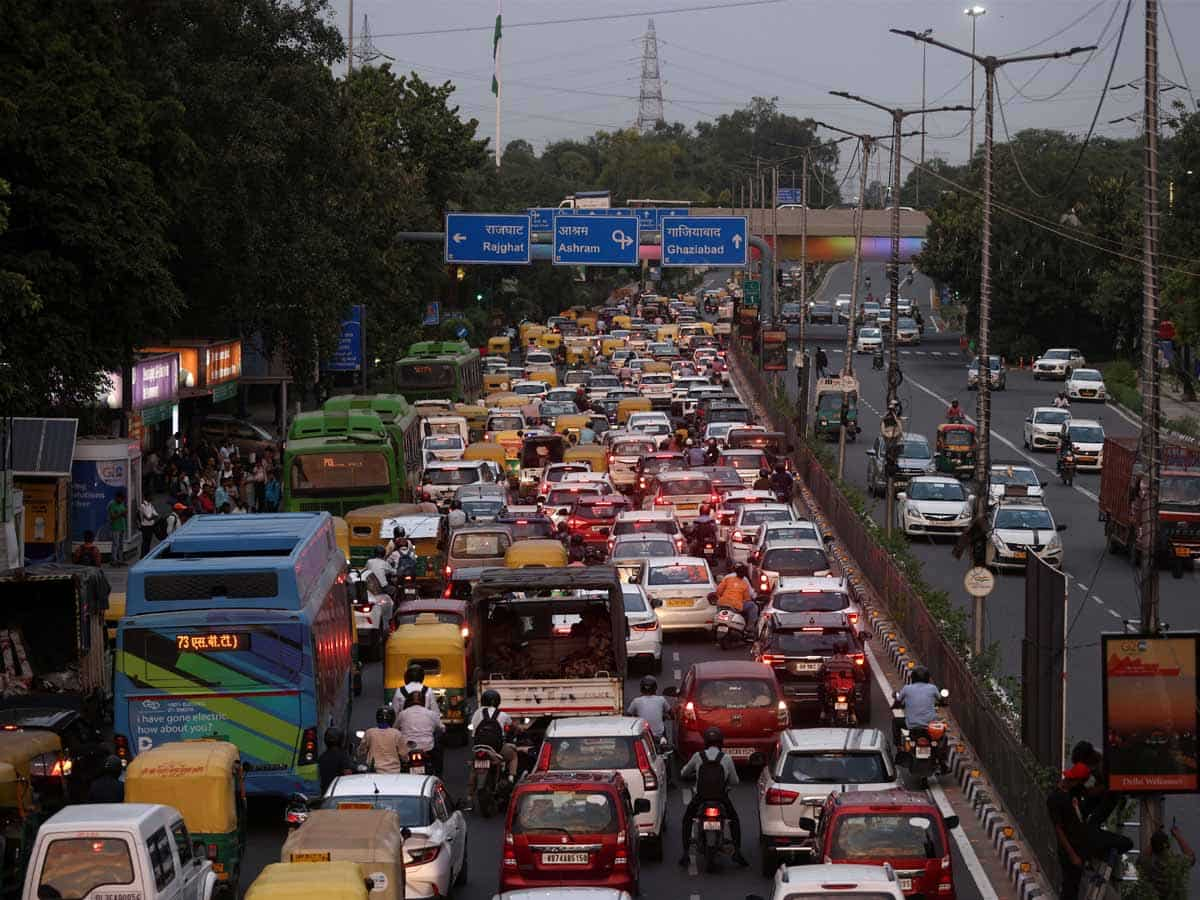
<point x="487" y="238"/>
<point x="433" y="313"/>
<point x="650" y="217"/>
<point x="704" y="241"/>
<point x="542" y="217"/>
<point x="788" y="195"/>
<point x="595" y="240"/>
<point x="462" y="331"/>
<point x="348" y="354"/>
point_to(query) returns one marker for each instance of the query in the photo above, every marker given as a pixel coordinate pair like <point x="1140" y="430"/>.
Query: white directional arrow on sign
<point x="623" y="240"/>
<point x="459" y="238"/>
<point x="737" y="241"/>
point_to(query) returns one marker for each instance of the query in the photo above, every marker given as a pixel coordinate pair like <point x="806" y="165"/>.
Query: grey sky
<point x="569" y="80"/>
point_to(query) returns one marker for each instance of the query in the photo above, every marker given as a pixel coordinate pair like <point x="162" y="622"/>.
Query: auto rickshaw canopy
<point x="540" y="450"/>
<point x="340" y="880"/>
<point x="592" y="454"/>
<point x="955" y="436"/>
<point x="198" y="778"/>
<point x="367" y="836"/>
<point x="438" y="647"/>
<point x="536" y="553"/>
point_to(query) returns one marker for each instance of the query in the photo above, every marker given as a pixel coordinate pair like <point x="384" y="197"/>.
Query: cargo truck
<point x="1121" y="494"/>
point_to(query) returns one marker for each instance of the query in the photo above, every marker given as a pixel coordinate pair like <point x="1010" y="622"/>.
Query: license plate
<point x="687" y="506"/>
<point x="1183" y="551"/>
<point x="354" y="805"/>
<point x="416" y="770"/>
<point x="739" y="752"/>
<point x="482" y="764"/>
<point x="564" y="859"/>
<point x="310" y="857"/>
<point x="805" y="667"/>
<point x="676" y="604"/>
<point x="710" y="825"/>
<point x="600" y="529"/>
<point x="905" y="884"/>
<point x="841" y="706"/>
<point x="924" y="752"/>
<point x="1020" y="554"/>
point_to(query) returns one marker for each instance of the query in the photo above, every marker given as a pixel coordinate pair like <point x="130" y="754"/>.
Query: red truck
<point x="1179" y="501"/>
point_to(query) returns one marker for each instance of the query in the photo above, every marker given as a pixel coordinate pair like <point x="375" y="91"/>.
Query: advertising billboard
<point x="1150" y="712"/>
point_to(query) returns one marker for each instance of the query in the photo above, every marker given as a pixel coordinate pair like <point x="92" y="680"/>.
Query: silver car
<point x="934" y="505"/>
<point x="915" y="458"/>
<point x="682" y="585"/>
<point x="627" y="552"/>
<point x="1018" y="529"/>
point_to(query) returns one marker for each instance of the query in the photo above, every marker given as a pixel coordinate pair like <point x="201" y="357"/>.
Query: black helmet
<point x="113" y="766"/>
<point x="649" y="684"/>
<point x="491" y="698"/>
<point x="740" y="570"/>
<point x="954" y="402"/>
<point x="920" y="674"/>
<point x="577" y="539"/>
<point x="414" y="672"/>
<point x="841" y="645"/>
<point x="381" y="552"/>
<point x="713" y="737"/>
<point x="385" y="716"/>
<point x="333" y="737"/>
<point x="763" y="473"/>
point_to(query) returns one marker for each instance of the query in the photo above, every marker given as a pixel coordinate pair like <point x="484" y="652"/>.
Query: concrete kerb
<point x="1023" y="873"/>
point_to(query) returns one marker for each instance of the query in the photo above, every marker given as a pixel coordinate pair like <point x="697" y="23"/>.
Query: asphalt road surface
<point x="1102" y="588"/>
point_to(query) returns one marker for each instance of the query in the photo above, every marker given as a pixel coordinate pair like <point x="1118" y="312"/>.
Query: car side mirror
<point x="199" y="851"/>
<point x="950" y="821"/>
<point x="405" y="833"/>
<point x="809" y="825"/>
<point x="641" y="805"/>
<point x="1042" y="483"/>
<point x="671" y="691"/>
<point x="1061" y="526"/>
<point x="655" y="602"/>
<point x="1029" y="418"/>
<point x="871" y="453"/>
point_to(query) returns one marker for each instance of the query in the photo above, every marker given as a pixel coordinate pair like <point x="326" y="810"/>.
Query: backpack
<point x="710" y="777"/>
<point x="489" y="732"/>
<point x="160" y="528"/>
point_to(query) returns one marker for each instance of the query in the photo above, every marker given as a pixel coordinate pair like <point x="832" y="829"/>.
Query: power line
<point x="1162" y="8"/>
<point x="1079" y="67"/>
<point x="463" y="29"/>
<point x="1065" y="28"/>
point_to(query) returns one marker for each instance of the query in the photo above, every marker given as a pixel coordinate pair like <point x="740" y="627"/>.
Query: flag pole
<point x="496" y="79"/>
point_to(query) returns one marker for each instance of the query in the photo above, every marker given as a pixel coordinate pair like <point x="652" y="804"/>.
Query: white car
<point x="934" y="505"/>
<point x="440" y="480"/>
<point x="876" y="882"/>
<point x="730" y="503"/>
<point x="436" y="854"/>
<point x="1086" y="384"/>
<point x="655" y="424"/>
<point x="743" y="536"/>
<point x="811" y="762"/>
<point x="643" y="646"/>
<point x="775" y="532"/>
<point x="441" y="447"/>
<point x="869" y="340"/>
<point x="614" y="743"/>
<point x="820" y="594"/>
<point x="716" y="431"/>
<point x="534" y="390"/>
<point x="1043" y="427"/>
<point x="1012" y="482"/>
<point x="648" y="521"/>
<point x="555" y="472"/>
<point x="1058" y="362"/>
<point x="682" y="585"/>
<point x="1018" y="529"/>
<point x="1087" y="440"/>
<point x="600" y="385"/>
<point x="657" y="387"/>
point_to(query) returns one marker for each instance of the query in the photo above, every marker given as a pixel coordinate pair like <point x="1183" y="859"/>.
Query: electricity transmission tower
<point x="650" y="97"/>
<point x="366" y="52"/>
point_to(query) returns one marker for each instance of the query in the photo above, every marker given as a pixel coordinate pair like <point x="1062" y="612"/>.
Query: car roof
<point x="1033" y="507"/>
<point x="596" y="726"/>
<point x="645" y="515"/>
<point x="1038" y="409"/>
<point x="857" y="876"/>
<point x="553" y="779"/>
<point x="786" y="620"/>
<point x="769" y="507"/>
<point x="914" y="436"/>
<point x="797" y="544"/>
<point x="833" y="739"/>
<point x="379" y="783"/>
<point x="103" y="816"/>
<point x="731" y="668"/>
<point x="889" y="798"/>
<point x="935" y="479"/>
<point x="1091" y="423"/>
<point x="745" y="451"/>
<point x="662" y="561"/>
<point x="680" y="475"/>
<point x="640" y="536"/>
<point x="749" y="495"/>
<point x="802" y="583"/>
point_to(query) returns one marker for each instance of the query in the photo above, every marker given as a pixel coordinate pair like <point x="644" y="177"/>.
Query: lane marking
<point x="674" y="656"/>
<point x="1124" y="415"/>
<point x="970" y="860"/>
<point x="677" y="674"/>
<point x="1114" y="614"/>
<point x="1097" y="599"/>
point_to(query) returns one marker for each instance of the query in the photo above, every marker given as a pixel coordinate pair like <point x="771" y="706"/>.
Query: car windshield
<point x="641" y="549"/>
<point x="799" y="532"/>
<point x="413" y="811"/>
<point x="445" y="442"/>
<point x="652" y="465"/>
<point x="753" y="461"/>
<point x="605" y="510"/>
<point x="681" y="573"/>
<point x="1050" y="416"/>
<point x="1181" y="490"/>
<point x="1086" y="375"/>
<point x="505" y="423"/>
<point x="1014" y="475"/>
<point x="531" y="528"/>
<point x="529" y="389"/>
<point x="936" y="490"/>
<point x="869" y="333"/>
<point x="632" y="448"/>
<point x="553" y="476"/>
<point x="787" y="561"/>
<point x="736" y="693"/>
<point x="567" y="811"/>
<point x="751" y="516"/>
<point x="635" y="601"/>
<point x="609" y="752"/>
<point x="551" y="408"/>
<point x="479" y="508"/>
<point x="1029" y="519"/>
<point x="452" y="476"/>
<point x="568" y="496"/>
<point x="903" y="322"/>
<point x="885" y="836"/>
<point x="641" y="526"/>
<point x="1057" y="354"/>
<point x="682" y="487"/>
<point x="485" y="545"/>
<point x="1087" y="434"/>
<point x="914" y="449"/>
<point x="807" y="643"/>
<point x="834" y="767"/>
<point x="809" y="601"/>
<point x="718" y="430"/>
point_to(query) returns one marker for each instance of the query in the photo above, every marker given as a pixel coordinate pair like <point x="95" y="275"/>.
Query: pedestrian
<point x="221" y="494"/>
<point x="272" y="492"/>
<point x="176" y="517"/>
<point x="260" y="483"/>
<point x="1164" y="871"/>
<point x="147" y="519"/>
<point x="118" y="525"/>
<point x="822" y="362"/>
<point x="87" y="553"/>
<point x="1063" y="804"/>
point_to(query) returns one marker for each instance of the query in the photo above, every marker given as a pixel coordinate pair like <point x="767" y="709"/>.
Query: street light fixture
<point x="974" y="12"/>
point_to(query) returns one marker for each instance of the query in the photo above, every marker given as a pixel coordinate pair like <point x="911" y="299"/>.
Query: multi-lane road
<point x="1103" y="593"/>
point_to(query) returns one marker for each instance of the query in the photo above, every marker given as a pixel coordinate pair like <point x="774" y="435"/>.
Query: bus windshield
<point x="340" y="473"/>
<point x="425" y="374"/>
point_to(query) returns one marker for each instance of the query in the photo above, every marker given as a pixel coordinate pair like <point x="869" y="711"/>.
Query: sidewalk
<point x="1174" y="406"/>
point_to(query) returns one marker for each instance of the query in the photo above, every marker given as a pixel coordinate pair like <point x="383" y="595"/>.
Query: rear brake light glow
<point x="780" y="797"/>
<point x="712" y="812"/>
<point x="543" y="760"/>
<point x="860" y="659"/>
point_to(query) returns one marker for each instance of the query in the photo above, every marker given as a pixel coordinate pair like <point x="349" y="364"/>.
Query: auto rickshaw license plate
<point x="564" y="859"/>
<point x="1020" y="554"/>
<point x="1183" y="551"/>
<point x="311" y="857"/>
<point x="680" y="602"/>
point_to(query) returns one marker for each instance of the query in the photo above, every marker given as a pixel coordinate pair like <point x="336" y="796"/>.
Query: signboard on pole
<point x="596" y="240"/>
<point x="705" y="241"/>
<point x="433" y="313"/>
<point x="751" y="292"/>
<point x="487" y="238"/>
<point x="347" y="356"/>
<point x="1150" y="712"/>
<point x="788" y="195"/>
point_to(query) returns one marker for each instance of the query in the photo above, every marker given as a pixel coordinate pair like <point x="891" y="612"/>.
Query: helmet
<point x="415" y="672"/>
<point x="920" y="674"/>
<point x="841" y="645"/>
<point x="385" y="716"/>
<point x="333" y="737"/>
<point x="398" y="532"/>
<point x="763" y="473"/>
<point x="779" y="468"/>
<point x="688" y="442"/>
<point x="649" y="684"/>
<point x="713" y="737"/>
<point x="113" y="766"/>
<point x="740" y="570"/>
<point x="491" y="698"/>
<point x="705" y="509"/>
<point x="954" y="402"/>
<point x="381" y="551"/>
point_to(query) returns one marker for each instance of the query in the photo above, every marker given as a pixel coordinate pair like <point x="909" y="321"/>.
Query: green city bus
<point x="337" y="461"/>
<point x="436" y="370"/>
<point x="401" y="422"/>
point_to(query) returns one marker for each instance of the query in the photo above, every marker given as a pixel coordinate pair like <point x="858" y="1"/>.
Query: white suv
<point x="805" y="766"/>
<point x="853" y="881"/>
<point x="1043" y="427"/>
<point x="614" y="743"/>
<point x="1058" y="362"/>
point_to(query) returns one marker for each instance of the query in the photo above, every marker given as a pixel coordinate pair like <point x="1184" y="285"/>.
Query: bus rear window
<point x="425" y="374"/>
<point x="339" y="473"/>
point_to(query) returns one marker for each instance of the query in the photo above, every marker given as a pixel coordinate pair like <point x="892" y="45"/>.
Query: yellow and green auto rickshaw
<point x="537" y="452"/>
<point x="536" y="553"/>
<point x="366" y="524"/>
<point x="827" y="422"/>
<point x="441" y="650"/>
<point x="580" y="353"/>
<point x="203" y="780"/>
<point x="592" y="454"/>
<point x="476" y="417"/>
<point x="955" y="449"/>
<point x="34" y="772"/>
<point x="340" y="880"/>
<point x="496" y="382"/>
<point x="550" y="340"/>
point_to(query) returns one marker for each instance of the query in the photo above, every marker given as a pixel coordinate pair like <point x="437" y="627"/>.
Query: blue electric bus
<point x="239" y="627"/>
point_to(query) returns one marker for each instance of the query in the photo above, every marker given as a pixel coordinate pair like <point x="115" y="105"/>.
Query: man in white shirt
<point x="420" y="727"/>
<point x="147" y="516"/>
<point x="414" y="684"/>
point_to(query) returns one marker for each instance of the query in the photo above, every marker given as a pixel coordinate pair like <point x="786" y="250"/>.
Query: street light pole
<point x="927" y="32"/>
<point x="974" y="12"/>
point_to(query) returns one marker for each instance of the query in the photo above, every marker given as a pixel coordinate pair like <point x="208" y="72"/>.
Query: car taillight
<point x="211" y="851"/>
<point x="543" y="760"/>
<point x="853" y="617"/>
<point x="308" y="747"/>
<point x="421" y="855"/>
<point x="661" y="501"/>
<point x="781" y="714"/>
<point x="362" y="607"/>
<point x="769" y="660"/>
<point x="510" y="853"/>
<point x="679" y="543"/>
<point x="122" y="744"/>
<point x="860" y="659"/>
<point x="649" y="779"/>
<point x="689" y="712"/>
<point x="712" y="812"/>
<point x="763" y="583"/>
<point x="574" y="522"/>
<point x="922" y="742"/>
<point x="737" y="536"/>
<point x="780" y="797"/>
<point x="646" y="626"/>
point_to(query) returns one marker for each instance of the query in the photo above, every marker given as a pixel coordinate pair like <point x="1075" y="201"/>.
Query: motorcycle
<point x="711" y="835"/>
<point x="837" y="698"/>
<point x="955" y="418"/>
<point x="297" y="809"/>
<point x="416" y="764"/>
<point x="729" y="628"/>
<point x="877" y="359"/>
<point x="703" y="545"/>
<point x="1066" y="468"/>
<point x="493" y="788"/>
<point x="920" y="749"/>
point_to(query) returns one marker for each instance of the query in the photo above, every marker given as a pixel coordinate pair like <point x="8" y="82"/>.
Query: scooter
<point x="920" y="749"/>
<point x="416" y="764"/>
<point x="729" y="628"/>
<point x="877" y="359"/>
<point x="837" y="698"/>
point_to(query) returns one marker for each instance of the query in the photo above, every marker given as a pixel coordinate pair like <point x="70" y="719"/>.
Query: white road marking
<point x="674" y="656"/>
<point x="1114" y="614"/>
<point x="1097" y="599"/>
<point x="970" y="860"/>
<point x="677" y="674"/>
<point x="1124" y="415"/>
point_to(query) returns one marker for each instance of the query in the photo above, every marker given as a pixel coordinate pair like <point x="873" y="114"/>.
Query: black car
<point x="796" y="645"/>
<point x="822" y="312"/>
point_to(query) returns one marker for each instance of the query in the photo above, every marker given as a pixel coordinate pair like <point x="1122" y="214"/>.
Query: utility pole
<point x="775" y="243"/>
<point x="924" y="47"/>
<point x="1152" y="811"/>
<point x="983" y="400"/>
<point x="802" y="368"/>
<point x="350" y="41"/>
<point x="974" y="12"/>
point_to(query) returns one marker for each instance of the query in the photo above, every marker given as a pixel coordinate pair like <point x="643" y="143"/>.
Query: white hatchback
<point x="644" y="644"/>
<point x="875" y="882"/>
<point x="682" y="585"/>
<point x="1087" y="384"/>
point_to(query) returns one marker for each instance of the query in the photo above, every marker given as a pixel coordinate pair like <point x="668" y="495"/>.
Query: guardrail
<point x="1010" y="766"/>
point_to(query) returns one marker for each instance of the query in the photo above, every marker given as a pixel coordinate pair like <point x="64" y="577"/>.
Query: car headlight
<point x="912" y="512"/>
<point x="1054" y="544"/>
<point x="998" y="542"/>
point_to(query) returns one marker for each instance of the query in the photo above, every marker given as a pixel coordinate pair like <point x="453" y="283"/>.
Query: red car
<point x="903" y="828"/>
<point x="593" y="517"/>
<point x="741" y="697"/>
<point x="572" y="829"/>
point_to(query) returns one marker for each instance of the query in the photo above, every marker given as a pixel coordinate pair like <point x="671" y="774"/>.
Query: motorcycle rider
<point x="650" y="706"/>
<point x="840" y="665"/>
<point x="763" y="481"/>
<point x="919" y="699"/>
<point x="704" y="529"/>
<point x="335" y="760"/>
<point x="107" y="787"/>
<point x="694" y="453"/>
<point x="1062" y="401"/>
<point x="576" y="551"/>
<point x="715" y="774"/>
<point x="420" y="727"/>
<point x="781" y="484"/>
<point x="489" y="709"/>
<point x="955" y="412"/>
<point x="383" y="746"/>
<point x="712" y="452"/>
<point x="735" y="592"/>
<point x="414" y="683"/>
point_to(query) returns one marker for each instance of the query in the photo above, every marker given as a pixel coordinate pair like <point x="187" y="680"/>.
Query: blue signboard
<point x="94" y="484"/>
<point x="461" y="331"/>
<point x="705" y="241"/>
<point x="433" y="313"/>
<point x="615" y="211"/>
<point x="593" y="240"/>
<point x="542" y="217"/>
<point x="789" y="195"/>
<point x="347" y="355"/>
<point x="488" y="238"/>
<point x="650" y="217"/>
